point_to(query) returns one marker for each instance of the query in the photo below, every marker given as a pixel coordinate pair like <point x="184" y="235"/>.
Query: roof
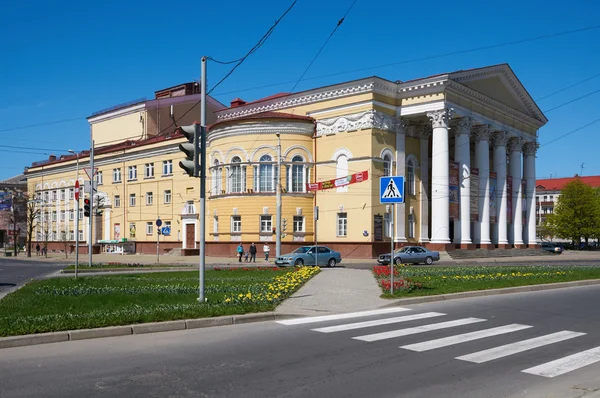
<point x="264" y="115"/>
<point x="17" y="180"/>
<point x="557" y="184"/>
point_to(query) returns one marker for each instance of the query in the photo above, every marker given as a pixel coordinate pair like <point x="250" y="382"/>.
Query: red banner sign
<point x="338" y="182"/>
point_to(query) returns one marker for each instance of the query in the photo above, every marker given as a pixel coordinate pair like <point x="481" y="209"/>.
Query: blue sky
<point x="64" y="60"/>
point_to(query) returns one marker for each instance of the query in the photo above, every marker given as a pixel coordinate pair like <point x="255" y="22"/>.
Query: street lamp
<point x="76" y="215"/>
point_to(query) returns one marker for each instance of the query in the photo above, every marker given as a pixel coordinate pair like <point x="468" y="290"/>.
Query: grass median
<point x="413" y="281"/>
<point x="95" y="301"/>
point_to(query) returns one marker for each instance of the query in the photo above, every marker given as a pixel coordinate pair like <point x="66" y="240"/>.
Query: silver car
<point x="305" y="255"/>
<point x="410" y="255"/>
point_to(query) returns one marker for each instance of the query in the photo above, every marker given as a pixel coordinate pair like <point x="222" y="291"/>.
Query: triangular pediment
<point x="500" y="84"/>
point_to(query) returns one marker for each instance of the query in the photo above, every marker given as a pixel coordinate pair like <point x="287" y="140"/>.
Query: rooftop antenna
<point x="581" y="170"/>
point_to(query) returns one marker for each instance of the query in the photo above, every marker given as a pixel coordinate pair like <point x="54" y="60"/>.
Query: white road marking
<point x="418" y="329"/>
<point x="464" y="337"/>
<point x="520" y="346"/>
<point x="385" y="321"/>
<point x="566" y="364"/>
<point x="334" y="317"/>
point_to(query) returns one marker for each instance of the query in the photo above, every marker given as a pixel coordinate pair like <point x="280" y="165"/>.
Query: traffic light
<point x="98" y="213"/>
<point x="284" y="224"/>
<point x="191" y="163"/>
<point x="86" y="207"/>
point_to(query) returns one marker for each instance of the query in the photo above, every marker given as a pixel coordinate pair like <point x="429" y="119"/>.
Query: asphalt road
<point x="14" y="272"/>
<point x="535" y="261"/>
<point x="270" y="359"/>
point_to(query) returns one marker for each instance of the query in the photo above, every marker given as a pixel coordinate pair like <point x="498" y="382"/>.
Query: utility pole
<point x="76" y="197"/>
<point x="278" y="201"/>
<point x="91" y="217"/>
<point x="202" y="162"/>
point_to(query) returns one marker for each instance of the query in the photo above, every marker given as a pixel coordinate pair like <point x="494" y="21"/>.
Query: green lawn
<point x="414" y="281"/>
<point x="95" y="301"/>
<point x="127" y="265"/>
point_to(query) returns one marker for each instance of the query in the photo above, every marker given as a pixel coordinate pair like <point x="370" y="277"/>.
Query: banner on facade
<point x="454" y="193"/>
<point x="474" y="194"/>
<point x="509" y="200"/>
<point x="493" y="204"/>
<point x="338" y="182"/>
<point x="524" y="201"/>
<point x="117" y="231"/>
<point x="378" y="227"/>
<point x="5" y="200"/>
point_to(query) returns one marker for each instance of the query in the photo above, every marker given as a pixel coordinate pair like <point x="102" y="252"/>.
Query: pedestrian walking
<point x="240" y="251"/>
<point x="266" y="249"/>
<point x="246" y="258"/>
<point x="252" y="253"/>
<point x="37" y="249"/>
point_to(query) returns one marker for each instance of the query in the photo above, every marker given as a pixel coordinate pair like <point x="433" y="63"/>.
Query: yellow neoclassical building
<point x="465" y="141"/>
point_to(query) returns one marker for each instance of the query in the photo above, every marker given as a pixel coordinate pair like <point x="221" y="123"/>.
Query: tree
<point x="17" y="216"/>
<point x="33" y="213"/>
<point x="64" y="239"/>
<point x="577" y="213"/>
<point x="546" y="230"/>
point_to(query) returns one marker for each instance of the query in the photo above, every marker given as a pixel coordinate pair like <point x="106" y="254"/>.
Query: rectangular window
<point x="298" y="223"/>
<point x="167" y="167"/>
<point x="54" y="195"/>
<point x="71" y="215"/>
<point x="545" y="198"/>
<point x="62" y="194"/>
<point x="551" y="198"/>
<point x="71" y="193"/>
<point x="71" y="235"/>
<point x="149" y="228"/>
<point x="167" y="196"/>
<point x="54" y="216"/>
<point x="99" y="178"/>
<point x="117" y="201"/>
<point x="216" y="224"/>
<point x="131" y="200"/>
<point x="132" y="173"/>
<point x="411" y="226"/>
<point x="266" y="224"/>
<point x="236" y="224"/>
<point x="149" y="198"/>
<point x="81" y="214"/>
<point x="117" y="175"/>
<point x="189" y="207"/>
<point x="54" y="236"/>
<point x="80" y="235"/>
<point x="62" y="215"/>
<point x="149" y="170"/>
<point x="342" y="224"/>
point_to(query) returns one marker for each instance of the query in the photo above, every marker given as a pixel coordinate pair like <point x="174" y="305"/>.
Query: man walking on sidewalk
<point x="266" y="250"/>
<point x="252" y="253"/>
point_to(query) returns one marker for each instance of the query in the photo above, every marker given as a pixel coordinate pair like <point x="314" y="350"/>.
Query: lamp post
<point x="76" y="216"/>
<point x="278" y="201"/>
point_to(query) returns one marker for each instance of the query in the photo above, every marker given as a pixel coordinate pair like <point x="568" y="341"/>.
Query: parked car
<point x="410" y="255"/>
<point x="552" y="247"/>
<point x="305" y="255"/>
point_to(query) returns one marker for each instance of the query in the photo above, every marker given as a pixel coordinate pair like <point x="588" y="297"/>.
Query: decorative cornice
<point x="481" y="132"/>
<point x="530" y="148"/>
<point x="440" y="118"/>
<point x="260" y="128"/>
<point x="358" y="121"/>
<point x="515" y="144"/>
<point x="500" y="138"/>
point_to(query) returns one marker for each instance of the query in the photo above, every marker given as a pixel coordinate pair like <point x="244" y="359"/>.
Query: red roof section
<point x="557" y="184"/>
<point x="264" y="115"/>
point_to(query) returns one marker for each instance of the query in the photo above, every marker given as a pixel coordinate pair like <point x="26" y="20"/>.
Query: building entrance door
<point x="190" y="236"/>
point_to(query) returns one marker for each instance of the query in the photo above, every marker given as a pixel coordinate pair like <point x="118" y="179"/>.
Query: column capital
<point x="500" y="138"/>
<point x="440" y="118"/>
<point x="515" y="144"/>
<point x="462" y="126"/>
<point x="420" y="130"/>
<point x="482" y="132"/>
<point x="530" y="148"/>
<point x="400" y="125"/>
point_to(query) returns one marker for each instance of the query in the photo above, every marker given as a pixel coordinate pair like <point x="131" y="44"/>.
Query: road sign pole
<point x="91" y="217"/>
<point x="202" y="219"/>
<point x="157" y="246"/>
<point x="392" y="248"/>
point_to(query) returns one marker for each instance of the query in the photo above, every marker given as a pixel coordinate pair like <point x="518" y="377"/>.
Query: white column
<point x="86" y="230"/>
<point x="440" y="167"/>
<point x="515" y="147"/>
<point x="424" y="163"/>
<point x="400" y="216"/>
<point x="107" y="224"/>
<point x="500" y="139"/>
<point x="530" y="149"/>
<point x="462" y="155"/>
<point x="482" y="159"/>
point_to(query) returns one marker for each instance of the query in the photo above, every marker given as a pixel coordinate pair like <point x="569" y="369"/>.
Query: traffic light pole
<point x="91" y="217"/>
<point x="202" y="162"/>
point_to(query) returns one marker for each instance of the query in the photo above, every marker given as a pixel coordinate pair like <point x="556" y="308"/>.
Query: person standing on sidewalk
<point x="240" y="251"/>
<point x="37" y="249"/>
<point x="252" y="253"/>
<point x="266" y="249"/>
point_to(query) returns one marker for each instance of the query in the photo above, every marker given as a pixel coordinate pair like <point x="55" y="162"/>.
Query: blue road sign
<point x="391" y="189"/>
<point x="166" y="231"/>
<point x="158" y="222"/>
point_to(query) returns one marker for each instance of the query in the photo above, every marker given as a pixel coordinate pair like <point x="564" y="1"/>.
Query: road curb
<point x="141" y="328"/>
<point x="492" y="292"/>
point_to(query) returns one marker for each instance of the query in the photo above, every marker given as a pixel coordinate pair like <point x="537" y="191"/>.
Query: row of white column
<point x="503" y="233"/>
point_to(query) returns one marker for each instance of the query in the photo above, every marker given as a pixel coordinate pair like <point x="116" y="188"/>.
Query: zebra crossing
<point x="435" y="322"/>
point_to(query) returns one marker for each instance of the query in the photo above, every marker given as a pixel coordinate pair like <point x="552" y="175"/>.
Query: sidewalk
<point x="335" y="290"/>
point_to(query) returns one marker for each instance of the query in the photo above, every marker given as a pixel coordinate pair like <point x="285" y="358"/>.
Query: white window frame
<point x="387" y="165"/>
<point x="297" y="175"/>
<point x="266" y="224"/>
<point x="189" y="207"/>
<point x="265" y="175"/>
<point x="63" y="194"/>
<point x="149" y="228"/>
<point x="167" y="196"/>
<point x="117" y="200"/>
<point x="99" y="178"/>
<point x="54" y="216"/>
<point x="117" y="174"/>
<point x="167" y="168"/>
<point x="236" y="224"/>
<point x="132" y="173"/>
<point x="71" y="193"/>
<point x="81" y="214"/>
<point x="237" y="176"/>
<point x="54" y="195"/>
<point x="342" y="225"/>
<point x="63" y="215"/>
<point x="149" y="170"/>
<point x="71" y="235"/>
<point x="149" y="198"/>
<point x="341" y="170"/>
<point x="298" y="224"/>
<point x="410" y="177"/>
<point x="132" y="200"/>
<point x="80" y="235"/>
<point x="71" y="215"/>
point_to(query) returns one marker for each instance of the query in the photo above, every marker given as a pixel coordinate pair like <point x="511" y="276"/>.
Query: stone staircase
<point x="461" y="254"/>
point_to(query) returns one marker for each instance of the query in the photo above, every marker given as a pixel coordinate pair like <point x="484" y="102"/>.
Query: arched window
<point x="236" y="175"/>
<point x="410" y="177"/>
<point x="297" y="175"/>
<point x="265" y="180"/>
<point x="341" y="165"/>
<point x="387" y="165"/>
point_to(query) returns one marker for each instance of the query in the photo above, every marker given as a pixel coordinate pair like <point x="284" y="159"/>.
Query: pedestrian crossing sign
<point x="391" y="189"/>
